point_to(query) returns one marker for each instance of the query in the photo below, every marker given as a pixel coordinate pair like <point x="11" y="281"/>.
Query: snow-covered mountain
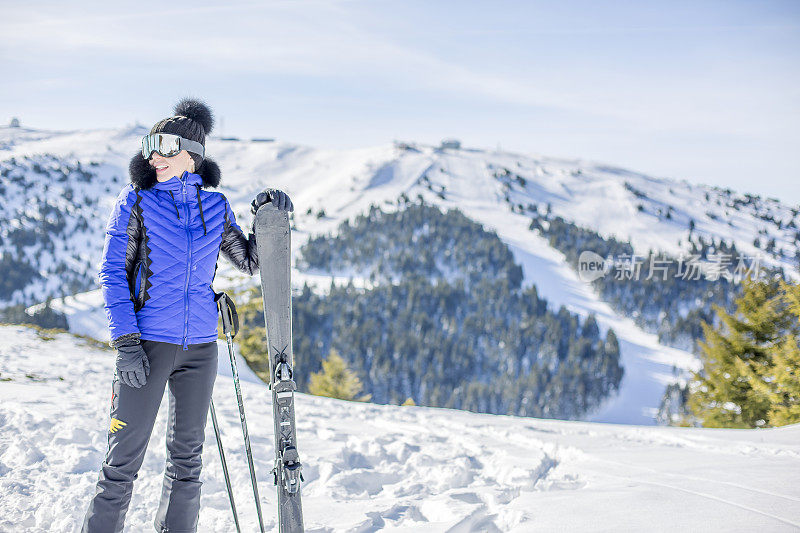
<point x="499" y="190"/>
<point x="385" y="468"/>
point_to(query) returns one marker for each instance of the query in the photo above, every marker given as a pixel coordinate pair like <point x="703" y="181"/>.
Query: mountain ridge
<point x="496" y="189"/>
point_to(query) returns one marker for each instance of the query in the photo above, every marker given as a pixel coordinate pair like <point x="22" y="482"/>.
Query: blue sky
<point x="703" y="91"/>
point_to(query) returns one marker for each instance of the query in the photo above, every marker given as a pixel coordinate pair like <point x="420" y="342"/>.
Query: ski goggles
<point x="168" y="145"/>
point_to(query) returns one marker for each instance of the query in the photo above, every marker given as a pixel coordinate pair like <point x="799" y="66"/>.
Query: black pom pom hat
<point x="192" y="120"/>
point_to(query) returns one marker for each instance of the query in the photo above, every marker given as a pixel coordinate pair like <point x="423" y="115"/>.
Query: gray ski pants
<point x="190" y="374"/>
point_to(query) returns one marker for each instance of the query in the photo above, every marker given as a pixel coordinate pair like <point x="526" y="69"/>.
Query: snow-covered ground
<point x="387" y="468"/>
<point x="651" y="212"/>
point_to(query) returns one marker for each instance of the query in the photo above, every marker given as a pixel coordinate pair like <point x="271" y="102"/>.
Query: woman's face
<point x="166" y="167"/>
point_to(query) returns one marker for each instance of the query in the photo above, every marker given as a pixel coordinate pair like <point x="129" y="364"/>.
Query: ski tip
<point x="270" y="215"/>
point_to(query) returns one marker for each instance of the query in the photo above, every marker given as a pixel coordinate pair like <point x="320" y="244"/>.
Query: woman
<point x="160" y="256"/>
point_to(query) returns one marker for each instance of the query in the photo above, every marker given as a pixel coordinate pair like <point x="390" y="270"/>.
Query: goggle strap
<point x="193" y="146"/>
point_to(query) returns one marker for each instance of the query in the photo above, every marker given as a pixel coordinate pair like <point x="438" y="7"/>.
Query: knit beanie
<point x="192" y="120"/>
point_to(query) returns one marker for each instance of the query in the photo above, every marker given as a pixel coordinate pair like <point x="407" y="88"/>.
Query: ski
<point x="273" y="240"/>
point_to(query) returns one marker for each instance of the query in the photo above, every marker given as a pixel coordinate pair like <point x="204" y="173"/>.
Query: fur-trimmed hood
<point x="144" y="176"/>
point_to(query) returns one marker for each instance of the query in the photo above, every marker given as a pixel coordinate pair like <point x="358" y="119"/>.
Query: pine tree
<point x="779" y="383"/>
<point x="336" y="380"/>
<point x="736" y="356"/>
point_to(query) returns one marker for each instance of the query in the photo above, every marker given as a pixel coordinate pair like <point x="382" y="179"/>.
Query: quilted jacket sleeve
<point x="240" y="250"/>
<point x="113" y="275"/>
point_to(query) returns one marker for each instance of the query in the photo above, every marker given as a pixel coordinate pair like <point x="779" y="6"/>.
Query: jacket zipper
<point x="188" y="266"/>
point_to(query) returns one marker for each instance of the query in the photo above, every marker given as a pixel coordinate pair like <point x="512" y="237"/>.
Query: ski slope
<point x="343" y="183"/>
<point x="386" y="468"/>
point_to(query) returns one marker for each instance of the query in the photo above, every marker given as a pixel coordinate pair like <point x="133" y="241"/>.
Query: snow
<point x="345" y="182"/>
<point x="386" y="468"/>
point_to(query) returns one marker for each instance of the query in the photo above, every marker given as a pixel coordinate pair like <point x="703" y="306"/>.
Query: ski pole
<point x="230" y="325"/>
<point x="224" y="466"/>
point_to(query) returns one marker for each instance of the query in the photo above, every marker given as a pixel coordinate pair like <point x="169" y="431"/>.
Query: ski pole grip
<point x="227" y="310"/>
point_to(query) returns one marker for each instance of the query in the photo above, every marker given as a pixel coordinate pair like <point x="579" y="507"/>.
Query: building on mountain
<point x="454" y="144"/>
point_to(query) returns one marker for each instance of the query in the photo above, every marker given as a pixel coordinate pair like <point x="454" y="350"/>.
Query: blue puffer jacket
<point x="160" y="257"/>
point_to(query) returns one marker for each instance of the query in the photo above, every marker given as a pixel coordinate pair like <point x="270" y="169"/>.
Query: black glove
<point x="278" y="198"/>
<point x="132" y="365"/>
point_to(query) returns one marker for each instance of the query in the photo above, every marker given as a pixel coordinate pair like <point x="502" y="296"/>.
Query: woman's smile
<point x="166" y="167"/>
